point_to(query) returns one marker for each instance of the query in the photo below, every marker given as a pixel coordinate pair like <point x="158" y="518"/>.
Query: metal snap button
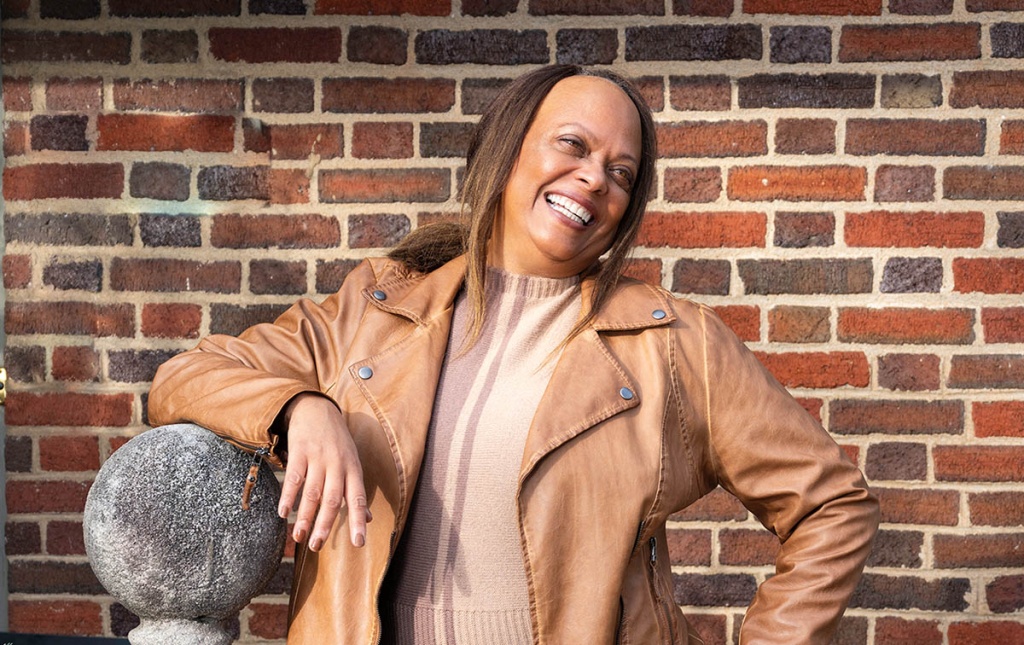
<point x="626" y="393"/>
<point x="380" y="295"/>
<point x="365" y="372"/>
<point x="658" y="314"/>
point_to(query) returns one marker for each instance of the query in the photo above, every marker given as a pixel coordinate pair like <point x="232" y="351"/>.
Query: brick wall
<point x="841" y="179"/>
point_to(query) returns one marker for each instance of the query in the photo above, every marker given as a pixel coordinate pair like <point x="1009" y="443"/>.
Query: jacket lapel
<point x="590" y="384"/>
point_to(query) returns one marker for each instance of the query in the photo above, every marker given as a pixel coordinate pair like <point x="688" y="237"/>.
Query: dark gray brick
<point x="705" y="277"/>
<point x="288" y="95"/>
<point x="59" y="132"/>
<point x="234" y="319"/>
<point x="801" y="45"/>
<point x="86" y="275"/>
<point x="280" y="7"/>
<point x="481" y="46"/>
<point x="136" y="366"/>
<point x="587" y="46"/>
<point x="159" y="180"/>
<point x="489" y="7"/>
<point x="1011" y="230"/>
<point x="68" y="229"/>
<point x="380" y="45"/>
<point x="69" y="10"/>
<point x="170" y="230"/>
<point x="1008" y="40"/>
<point x="807" y="91"/>
<point x="766" y="277"/>
<point x="445" y="139"/>
<point x="912" y="275"/>
<point x="694" y="42"/>
<point x="224" y="183"/>
<point x="877" y="591"/>
<point x="169" y="46"/>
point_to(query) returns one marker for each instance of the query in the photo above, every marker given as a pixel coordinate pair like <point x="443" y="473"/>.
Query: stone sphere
<point x="165" y="530"/>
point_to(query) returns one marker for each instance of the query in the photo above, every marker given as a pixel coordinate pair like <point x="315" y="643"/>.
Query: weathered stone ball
<point x="165" y="530"/>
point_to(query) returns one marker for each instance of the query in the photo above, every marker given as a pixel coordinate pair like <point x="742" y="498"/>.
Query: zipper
<point x="259" y="452"/>
<point x="254" y="474"/>
<point x="662" y="610"/>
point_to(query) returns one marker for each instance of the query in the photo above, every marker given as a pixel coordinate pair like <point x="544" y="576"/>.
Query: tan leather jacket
<point x="653" y="406"/>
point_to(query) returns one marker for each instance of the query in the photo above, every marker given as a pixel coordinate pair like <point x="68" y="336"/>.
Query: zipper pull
<point x="654" y="550"/>
<point x="254" y="473"/>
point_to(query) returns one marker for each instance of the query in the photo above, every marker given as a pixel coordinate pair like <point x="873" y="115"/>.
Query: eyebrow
<point x="590" y="134"/>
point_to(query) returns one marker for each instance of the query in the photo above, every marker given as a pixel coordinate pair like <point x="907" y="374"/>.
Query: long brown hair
<point x="492" y="154"/>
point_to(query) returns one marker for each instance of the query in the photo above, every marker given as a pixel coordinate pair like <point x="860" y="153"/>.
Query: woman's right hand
<point x="323" y="464"/>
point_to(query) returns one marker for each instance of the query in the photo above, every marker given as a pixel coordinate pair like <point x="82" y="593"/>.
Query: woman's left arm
<point x="786" y="469"/>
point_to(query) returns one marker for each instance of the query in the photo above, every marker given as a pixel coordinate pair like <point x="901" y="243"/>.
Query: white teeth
<point x="570" y="209"/>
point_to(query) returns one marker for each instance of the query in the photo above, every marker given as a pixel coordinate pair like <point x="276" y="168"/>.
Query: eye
<point x="573" y="143"/>
<point x="623" y="177"/>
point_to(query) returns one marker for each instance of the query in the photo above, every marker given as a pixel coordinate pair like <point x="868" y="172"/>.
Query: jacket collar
<point x="423" y="297"/>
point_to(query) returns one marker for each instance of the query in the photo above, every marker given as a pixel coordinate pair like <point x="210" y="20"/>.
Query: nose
<point x="591" y="173"/>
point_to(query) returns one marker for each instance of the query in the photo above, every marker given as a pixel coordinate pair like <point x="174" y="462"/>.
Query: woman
<point x="517" y="421"/>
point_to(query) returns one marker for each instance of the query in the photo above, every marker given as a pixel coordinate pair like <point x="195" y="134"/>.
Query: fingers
<point x="358" y="512"/>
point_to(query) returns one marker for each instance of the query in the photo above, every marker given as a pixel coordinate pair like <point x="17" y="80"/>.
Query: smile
<point x="570" y="209"/>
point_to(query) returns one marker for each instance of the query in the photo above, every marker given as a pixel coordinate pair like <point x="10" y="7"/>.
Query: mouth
<point x="570" y="208"/>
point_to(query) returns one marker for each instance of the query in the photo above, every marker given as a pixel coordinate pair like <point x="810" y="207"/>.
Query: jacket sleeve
<point x="786" y="469"/>
<point x="236" y="387"/>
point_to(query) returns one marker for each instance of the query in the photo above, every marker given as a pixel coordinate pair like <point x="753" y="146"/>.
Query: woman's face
<point x="571" y="183"/>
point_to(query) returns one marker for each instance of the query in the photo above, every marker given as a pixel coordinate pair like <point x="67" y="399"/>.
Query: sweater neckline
<point x="499" y="281"/>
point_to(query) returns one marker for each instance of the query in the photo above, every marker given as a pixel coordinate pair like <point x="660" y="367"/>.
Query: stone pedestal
<point x="167" y="536"/>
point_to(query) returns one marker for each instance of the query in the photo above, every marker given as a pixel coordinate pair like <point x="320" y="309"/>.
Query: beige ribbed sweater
<point x="458" y="576"/>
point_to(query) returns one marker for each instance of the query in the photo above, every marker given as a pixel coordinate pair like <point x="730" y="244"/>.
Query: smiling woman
<point x="485" y="433"/>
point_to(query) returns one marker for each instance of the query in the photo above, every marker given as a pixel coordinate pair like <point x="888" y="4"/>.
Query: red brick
<point x="915" y="229"/>
<point x="171" y="320"/>
<point x="1005" y="594"/>
<point x="711" y="277"/>
<point x="987" y="371"/>
<point x="803" y="183"/>
<point x="813" y="407"/>
<point x="80" y="318"/>
<point x="166" y="274"/>
<point x="17" y="94"/>
<point x="288" y="186"/>
<point x="69" y="453"/>
<point x="388" y="96"/>
<point x="325" y="140"/>
<point x="74" y="94"/>
<point x="700" y="92"/>
<point x="903" y="325"/>
<point x="1011" y="138"/>
<point x="717" y="506"/>
<point x="76" y="363"/>
<point x="795" y="324"/>
<point x="978" y="463"/>
<point x="988" y="89"/>
<point x="813" y="8"/>
<point x="904" y="417"/>
<point x="713" y="139"/>
<point x="65" y="538"/>
<point x="270" y="231"/>
<point x="978" y="551"/>
<point x="276" y="44"/>
<point x="998" y="419"/>
<point x="986" y="633"/>
<point x="988" y="275"/>
<point x="943" y="41"/>
<point x="385" y="185"/>
<point x="160" y="132"/>
<point x="818" y="369"/>
<point x="689" y="547"/>
<point x="15" y="138"/>
<point x="17" y="271"/>
<point x="1004" y="325"/>
<point x="953" y="137"/>
<point x="391" y="140"/>
<point x="694" y="185"/>
<point x="805" y="136"/>
<point x="24" y="46"/>
<point x="179" y="95"/>
<point x="743" y="320"/>
<point x="919" y="506"/>
<point x="376" y="44"/>
<point x="645" y="270"/>
<point x="997" y="509"/>
<point x="703" y="230"/>
<point x="384" y="7"/>
<point x="68" y="409"/>
<point x="268" y="621"/>
<point x="745" y="547"/>
<point x="909" y="372"/>
<point x="69" y="617"/>
<point x="652" y="89"/>
<point x="56" y="180"/>
<point x="903" y="631"/>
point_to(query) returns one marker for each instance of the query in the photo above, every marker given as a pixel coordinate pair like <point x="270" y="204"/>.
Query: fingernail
<point x="360" y="540"/>
<point x="315" y="544"/>
<point x="369" y="515"/>
<point x="299" y="535"/>
<point x="283" y="511"/>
